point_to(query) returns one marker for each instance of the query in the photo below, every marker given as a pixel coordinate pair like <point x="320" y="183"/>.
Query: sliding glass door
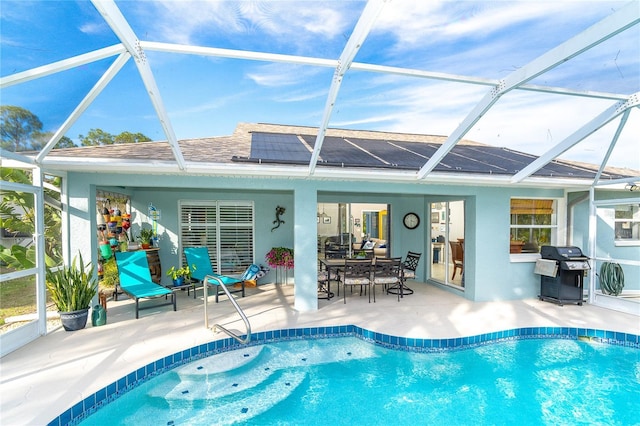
<point x="447" y="243"/>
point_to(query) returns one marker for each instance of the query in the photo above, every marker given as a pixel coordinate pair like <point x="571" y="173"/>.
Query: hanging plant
<point x="611" y="278"/>
<point x="280" y="257"/>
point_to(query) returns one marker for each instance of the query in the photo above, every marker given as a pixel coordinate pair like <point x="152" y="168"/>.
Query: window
<point x="627" y="223"/>
<point x="225" y="227"/>
<point x="533" y="224"/>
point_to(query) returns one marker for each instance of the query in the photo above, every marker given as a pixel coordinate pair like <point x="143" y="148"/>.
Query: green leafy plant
<point x="109" y="274"/>
<point x="72" y="287"/>
<point x="145" y="236"/>
<point x="176" y="273"/>
<point x="611" y="278"/>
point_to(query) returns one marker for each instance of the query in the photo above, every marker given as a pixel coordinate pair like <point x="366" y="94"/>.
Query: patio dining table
<point x="334" y="265"/>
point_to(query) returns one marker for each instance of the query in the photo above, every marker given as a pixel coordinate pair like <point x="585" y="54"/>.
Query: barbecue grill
<point x="562" y="271"/>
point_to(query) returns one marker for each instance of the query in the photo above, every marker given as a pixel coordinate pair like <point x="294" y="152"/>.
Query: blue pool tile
<point x="112" y="389"/>
<point x="77" y="409"/>
<point x="122" y="384"/>
<point x="101" y="395"/>
<point x="141" y="373"/>
<point x="89" y="401"/>
<point x="65" y="417"/>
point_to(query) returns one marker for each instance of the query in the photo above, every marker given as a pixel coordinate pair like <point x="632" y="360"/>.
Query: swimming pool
<point x="284" y="382"/>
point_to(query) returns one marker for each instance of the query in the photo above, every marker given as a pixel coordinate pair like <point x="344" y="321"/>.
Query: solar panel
<point x="277" y="146"/>
<point x="403" y="155"/>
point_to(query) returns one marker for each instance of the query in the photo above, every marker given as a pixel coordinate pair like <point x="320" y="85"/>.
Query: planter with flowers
<point x="280" y="258"/>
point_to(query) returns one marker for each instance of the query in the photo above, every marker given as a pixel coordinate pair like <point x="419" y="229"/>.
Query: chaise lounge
<point x="135" y="280"/>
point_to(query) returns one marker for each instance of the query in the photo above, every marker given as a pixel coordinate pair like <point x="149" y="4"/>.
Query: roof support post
<point x="123" y="31"/>
<point x="360" y="32"/>
<point x="602" y="119"/>
<point x="614" y="141"/>
<point x="93" y="93"/>
<point x="621" y="20"/>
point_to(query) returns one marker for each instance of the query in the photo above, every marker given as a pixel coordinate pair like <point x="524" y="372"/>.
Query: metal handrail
<point x="235" y="305"/>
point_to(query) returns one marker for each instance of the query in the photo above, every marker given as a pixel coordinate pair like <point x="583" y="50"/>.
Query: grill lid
<point x="561" y="253"/>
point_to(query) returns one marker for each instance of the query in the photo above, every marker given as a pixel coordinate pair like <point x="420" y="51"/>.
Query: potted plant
<point x="179" y="275"/>
<point x="145" y="236"/>
<point x="280" y="258"/>
<point x="72" y="288"/>
<point x="515" y="245"/>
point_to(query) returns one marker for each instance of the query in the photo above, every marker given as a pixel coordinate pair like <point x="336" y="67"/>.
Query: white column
<point x="305" y="234"/>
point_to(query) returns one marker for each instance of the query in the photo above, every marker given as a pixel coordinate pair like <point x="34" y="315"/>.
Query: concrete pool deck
<point x="49" y="375"/>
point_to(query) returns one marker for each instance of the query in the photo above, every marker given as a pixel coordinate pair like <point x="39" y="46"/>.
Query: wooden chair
<point x="457" y="257"/>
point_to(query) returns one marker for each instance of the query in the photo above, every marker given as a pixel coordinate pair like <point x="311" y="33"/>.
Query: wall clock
<point x="411" y="220"/>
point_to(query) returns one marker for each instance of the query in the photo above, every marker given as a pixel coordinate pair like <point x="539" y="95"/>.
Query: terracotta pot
<point x="515" y="246"/>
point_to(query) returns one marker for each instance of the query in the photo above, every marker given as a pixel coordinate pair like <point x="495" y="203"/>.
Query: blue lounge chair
<point x="199" y="257"/>
<point x="135" y="280"/>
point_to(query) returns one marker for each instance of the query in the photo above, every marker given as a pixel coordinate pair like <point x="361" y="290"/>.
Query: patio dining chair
<point x="356" y="273"/>
<point x="325" y="276"/>
<point x="409" y="267"/>
<point x="199" y="258"/>
<point x="386" y="271"/>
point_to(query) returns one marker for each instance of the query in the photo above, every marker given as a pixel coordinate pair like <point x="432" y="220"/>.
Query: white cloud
<point x="93" y="28"/>
<point x="304" y="26"/>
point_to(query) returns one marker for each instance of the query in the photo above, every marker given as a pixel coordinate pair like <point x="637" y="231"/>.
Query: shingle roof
<point x="260" y="143"/>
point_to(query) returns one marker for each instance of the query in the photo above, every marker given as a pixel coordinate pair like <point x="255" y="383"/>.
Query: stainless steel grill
<point x="562" y="271"/>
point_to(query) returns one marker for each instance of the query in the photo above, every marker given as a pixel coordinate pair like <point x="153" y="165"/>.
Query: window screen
<point x="533" y="224"/>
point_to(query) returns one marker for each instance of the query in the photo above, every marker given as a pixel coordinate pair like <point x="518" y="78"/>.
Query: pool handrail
<point x="235" y="305"/>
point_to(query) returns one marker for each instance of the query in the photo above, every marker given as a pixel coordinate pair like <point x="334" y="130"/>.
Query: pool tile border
<point x="93" y="402"/>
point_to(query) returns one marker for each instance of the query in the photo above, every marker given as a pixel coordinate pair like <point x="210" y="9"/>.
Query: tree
<point x="128" y="137"/>
<point x="17" y="126"/>
<point x="40" y="139"/>
<point x="22" y="130"/>
<point x="97" y="137"/>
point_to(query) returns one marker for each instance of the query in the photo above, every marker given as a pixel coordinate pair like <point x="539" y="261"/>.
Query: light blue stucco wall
<point x="490" y="272"/>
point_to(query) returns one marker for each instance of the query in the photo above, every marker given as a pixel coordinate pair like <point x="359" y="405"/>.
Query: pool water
<point x="347" y="380"/>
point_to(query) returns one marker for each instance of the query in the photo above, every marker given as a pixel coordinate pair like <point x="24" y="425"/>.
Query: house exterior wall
<point x="490" y="272"/>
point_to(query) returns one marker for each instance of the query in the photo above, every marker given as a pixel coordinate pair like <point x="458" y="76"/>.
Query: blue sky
<point x="207" y="96"/>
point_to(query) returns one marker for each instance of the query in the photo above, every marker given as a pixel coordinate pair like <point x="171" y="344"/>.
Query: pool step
<point x="297" y="353"/>
<point x="232" y="372"/>
<point x="238" y="408"/>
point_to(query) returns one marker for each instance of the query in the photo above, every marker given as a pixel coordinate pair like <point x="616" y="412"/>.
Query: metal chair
<point x="386" y="272"/>
<point x="135" y="280"/>
<point x="409" y="267"/>
<point x="324" y="283"/>
<point x="199" y="256"/>
<point x="356" y="273"/>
